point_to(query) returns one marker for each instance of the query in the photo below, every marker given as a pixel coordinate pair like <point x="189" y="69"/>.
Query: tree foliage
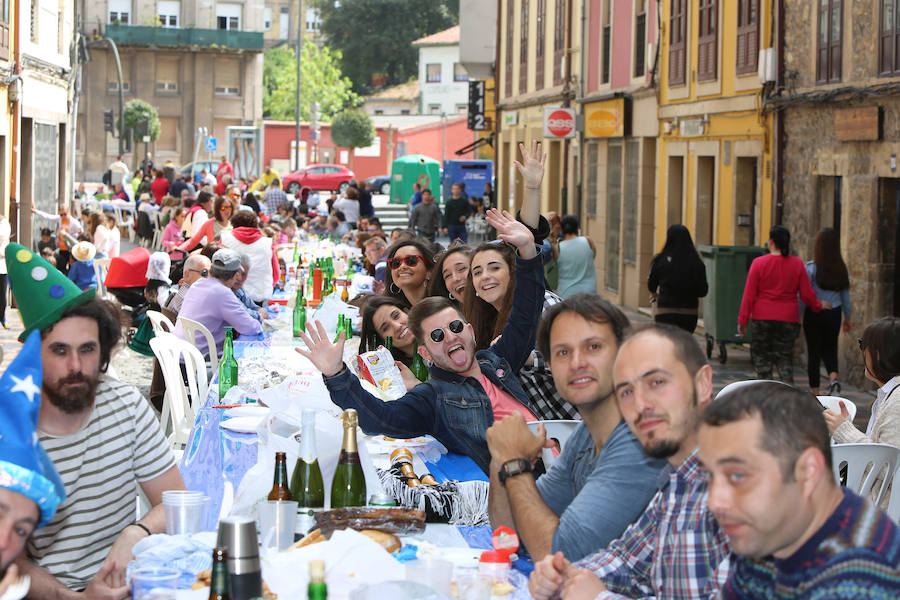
<point x="353" y="129"/>
<point x="376" y="36"/>
<point x="321" y="81"/>
<point x="137" y="111"/>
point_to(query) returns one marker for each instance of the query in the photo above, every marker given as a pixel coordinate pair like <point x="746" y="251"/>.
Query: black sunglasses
<point x="411" y="261"/>
<point x="455" y="326"/>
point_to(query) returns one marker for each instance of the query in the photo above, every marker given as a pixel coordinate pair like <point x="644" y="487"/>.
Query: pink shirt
<point x="502" y="403"/>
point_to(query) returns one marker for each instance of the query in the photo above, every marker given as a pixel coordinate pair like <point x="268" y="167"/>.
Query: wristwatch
<point x="513" y="467"/>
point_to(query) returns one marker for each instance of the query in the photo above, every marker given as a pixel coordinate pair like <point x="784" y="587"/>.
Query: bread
<point x="313" y="537"/>
<point x="388" y="541"/>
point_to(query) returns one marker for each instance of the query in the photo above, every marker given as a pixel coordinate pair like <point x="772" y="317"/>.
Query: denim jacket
<point x="452" y="408"/>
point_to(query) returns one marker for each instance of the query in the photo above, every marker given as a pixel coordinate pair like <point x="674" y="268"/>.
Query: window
<point x="460" y="73"/>
<point x="613" y="213"/>
<point x="559" y="41"/>
<point x="630" y="218"/>
<point x="523" y="48"/>
<point x="540" y="19"/>
<point x="228" y="16"/>
<point x="433" y="73"/>
<point x="227" y="77"/>
<point x="284" y="23"/>
<point x="607" y="42"/>
<point x="510" y="15"/>
<point x="166" y="75"/>
<point x="677" y="32"/>
<point x="119" y="11"/>
<point x="747" y="36"/>
<point x="267" y="19"/>
<point x="112" y="76"/>
<point x="34" y="18"/>
<point x="169" y="11"/>
<point x="379" y="111"/>
<point x="434" y="109"/>
<point x="828" y="41"/>
<point x="404" y="111"/>
<point x="889" y="48"/>
<point x="168" y="134"/>
<point x="640" y="38"/>
<point x="313" y="19"/>
<point x="462" y="109"/>
<point x="708" y="41"/>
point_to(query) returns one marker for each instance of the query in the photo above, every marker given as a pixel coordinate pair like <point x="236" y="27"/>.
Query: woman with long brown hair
<point x="831" y="283"/>
<point x="409" y="264"/>
<point x="451" y="272"/>
<point x="223" y="209"/>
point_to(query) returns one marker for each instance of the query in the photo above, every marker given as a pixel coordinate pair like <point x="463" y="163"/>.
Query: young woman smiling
<point x="408" y="265"/>
<point x="450" y="273"/>
<point x="385" y="316"/>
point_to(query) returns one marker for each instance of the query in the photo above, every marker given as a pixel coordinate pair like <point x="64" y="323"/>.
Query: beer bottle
<point x="296" y="258"/>
<point x="345" y="295"/>
<point x="309" y="281"/>
<point x="349" y="485"/>
<point x="280" y="490"/>
<point x="418" y="365"/>
<point x="317" y="589"/>
<point x="339" y="328"/>
<point x="299" y="320"/>
<point x="228" y="366"/>
<point x="219" y="588"/>
<point x="307" y="486"/>
<point x="348" y="328"/>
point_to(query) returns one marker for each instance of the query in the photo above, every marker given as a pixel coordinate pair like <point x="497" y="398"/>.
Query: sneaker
<point x="835" y="388"/>
<point x="4" y="323"/>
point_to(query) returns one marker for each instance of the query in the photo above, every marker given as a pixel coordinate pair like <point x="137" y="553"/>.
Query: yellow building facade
<point x="715" y="146"/>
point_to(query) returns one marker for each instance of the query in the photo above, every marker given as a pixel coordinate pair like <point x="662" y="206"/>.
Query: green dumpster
<point x="726" y="273"/>
<point x="407" y="170"/>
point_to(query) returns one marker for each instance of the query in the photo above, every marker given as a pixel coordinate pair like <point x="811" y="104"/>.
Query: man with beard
<point x="602" y="480"/>
<point x="101" y="435"/>
<point x="676" y="548"/>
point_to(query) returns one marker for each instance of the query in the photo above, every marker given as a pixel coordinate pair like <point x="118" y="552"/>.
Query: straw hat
<point x="84" y="251"/>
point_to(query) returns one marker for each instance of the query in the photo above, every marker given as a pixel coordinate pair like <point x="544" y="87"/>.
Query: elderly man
<point x="797" y="533"/>
<point x="195" y="267"/>
<point x="212" y="303"/>
<point x="101" y="435"/>
<point x="375" y="249"/>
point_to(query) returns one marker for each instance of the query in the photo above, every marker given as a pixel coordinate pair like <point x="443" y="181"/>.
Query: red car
<point x="318" y="177"/>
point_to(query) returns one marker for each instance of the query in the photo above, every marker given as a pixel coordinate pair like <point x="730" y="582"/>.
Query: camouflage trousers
<point x="772" y="345"/>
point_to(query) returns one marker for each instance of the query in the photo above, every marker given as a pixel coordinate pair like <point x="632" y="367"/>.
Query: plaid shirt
<point x="273" y="199"/>
<point x="674" y="550"/>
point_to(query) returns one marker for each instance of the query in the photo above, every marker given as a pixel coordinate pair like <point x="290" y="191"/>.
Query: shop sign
<point x="605" y="119"/>
<point x="559" y="122"/>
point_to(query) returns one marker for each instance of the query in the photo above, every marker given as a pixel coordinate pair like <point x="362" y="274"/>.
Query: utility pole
<point x="300" y="23"/>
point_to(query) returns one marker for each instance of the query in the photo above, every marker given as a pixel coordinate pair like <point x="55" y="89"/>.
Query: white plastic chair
<point x="558" y="429"/>
<point x="156" y="221"/>
<point x="867" y="465"/>
<point x="101" y="267"/>
<point x="893" y="507"/>
<point x="124" y="212"/>
<point x="191" y="329"/>
<point x="160" y="322"/>
<point x="171" y="350"/>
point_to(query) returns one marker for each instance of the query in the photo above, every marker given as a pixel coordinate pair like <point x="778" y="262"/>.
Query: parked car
<point x="381" y="184"/>
<point x="209" y="165"/>
<point x="318" y="177"/>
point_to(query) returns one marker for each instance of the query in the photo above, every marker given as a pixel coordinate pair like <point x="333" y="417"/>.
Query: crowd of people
<point x="662" y="490"/>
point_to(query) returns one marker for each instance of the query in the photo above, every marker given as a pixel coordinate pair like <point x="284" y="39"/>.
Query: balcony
<point x="139" y="35"/>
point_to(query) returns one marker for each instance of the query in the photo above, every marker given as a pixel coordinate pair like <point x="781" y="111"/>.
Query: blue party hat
<point x="24" y="465"/>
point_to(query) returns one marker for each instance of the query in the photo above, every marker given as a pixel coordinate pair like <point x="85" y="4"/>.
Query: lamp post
<point x="297" y="107"/>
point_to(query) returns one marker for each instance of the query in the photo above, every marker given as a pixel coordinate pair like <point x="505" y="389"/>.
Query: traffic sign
<point x="211" y="144"/>
<point x="313" y="135"/>
<point x="559" y="122"/>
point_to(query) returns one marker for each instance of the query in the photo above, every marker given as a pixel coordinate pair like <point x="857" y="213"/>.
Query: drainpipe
<point x="16" y="125"/>
<point x="564" y="203"/>
<point x="778" y="149"/>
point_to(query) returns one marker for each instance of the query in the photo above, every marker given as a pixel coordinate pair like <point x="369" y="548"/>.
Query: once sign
<point x="559" y="122"/>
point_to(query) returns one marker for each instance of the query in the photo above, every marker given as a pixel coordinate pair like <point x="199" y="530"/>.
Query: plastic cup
<point x="432" y="572"/>
<point x="185" y="511"/>
<point x="474" y="586"/>
<point x="276" y="523"/>
<point x="154" y="584"/>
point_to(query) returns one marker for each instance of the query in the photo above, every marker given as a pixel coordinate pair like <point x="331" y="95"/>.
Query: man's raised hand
<point x="325" y="356"/>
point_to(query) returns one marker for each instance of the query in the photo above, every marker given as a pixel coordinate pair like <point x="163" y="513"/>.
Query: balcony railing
<point x="140" y="35"/>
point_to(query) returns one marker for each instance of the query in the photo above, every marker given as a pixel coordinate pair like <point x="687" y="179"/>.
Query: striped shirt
<point x="675" y="550"/>
<point x="855" y="554"/>
<point x="101" y="465"/>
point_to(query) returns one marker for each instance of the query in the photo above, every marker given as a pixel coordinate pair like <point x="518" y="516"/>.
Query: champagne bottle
<point x="228" y="366"/>
<point x="299" y="320"/>
<point x="219" y="588"/>
<point x="418" y="365"/>
<point x="316" y="589"/>
<point x="307" y="486"/>
<point x="349" y="485"/>
<point x="280" y="489"/>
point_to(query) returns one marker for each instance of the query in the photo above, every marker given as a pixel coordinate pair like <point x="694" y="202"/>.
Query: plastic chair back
<point x="160" y="322"/>
<point x="558" y="429"/>
<point x="101" y="267"/>
<point x="191" y="329"/>
<point x="868" y="466"/>
<point x="170" y="351"/>
<point x="893" y="507"/>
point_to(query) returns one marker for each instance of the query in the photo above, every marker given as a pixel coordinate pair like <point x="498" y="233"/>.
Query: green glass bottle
<point x="310" y="282"/>
<point x="219" y="588"/>
<point x="280" y="489"/>
<point x="228" y="366"/>
<point x="348" y="329"/>
<point x="307" y="486"/>
<point x="418" y="365"/>
<point x="389" y="342"/>
<point x="339" y="328"/>
<point x="317" y="589"/>
<point x="326" y="286"/>
<point x="349" y="485"/>
<point x="296" y="258"/>
<point x="299" y="317"/>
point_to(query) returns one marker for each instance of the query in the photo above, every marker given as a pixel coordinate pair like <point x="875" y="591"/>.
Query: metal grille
<point x="613" y="213"/>
<point x="630" y="216"/>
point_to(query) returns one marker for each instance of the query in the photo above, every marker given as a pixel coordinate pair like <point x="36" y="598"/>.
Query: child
<point x="47" y="241"/>
<point x="82" y="270"/>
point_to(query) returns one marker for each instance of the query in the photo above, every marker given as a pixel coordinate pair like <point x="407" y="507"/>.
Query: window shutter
<point x="559" y="42"/>
<point x="676" y="42"/>
<point x="539" y="46"/>
<point x="834" y="43"/>
<point x="523" y="49"/>
<point x="510" y="15"/>
<point x="747" y="36"/>
<point x="707" y="41"/>
<point x="227" y="76"/>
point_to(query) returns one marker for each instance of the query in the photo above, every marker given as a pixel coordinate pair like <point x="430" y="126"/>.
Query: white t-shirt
<point x="101" y="465"/>
<point x="349" y="207"/>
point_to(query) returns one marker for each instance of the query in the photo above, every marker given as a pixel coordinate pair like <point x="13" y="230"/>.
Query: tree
<point x="137" y="112"/>
<point x="375" y="36"/>
<point x="352" y="129"/>
<point x="321" y="81"/>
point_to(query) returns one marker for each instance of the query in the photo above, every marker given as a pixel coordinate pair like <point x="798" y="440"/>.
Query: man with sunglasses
<point x="195" y="267"/>
<point x="467" y="391"/>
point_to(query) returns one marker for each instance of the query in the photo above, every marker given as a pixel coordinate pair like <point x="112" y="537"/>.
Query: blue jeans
<point x="458" y="231"/>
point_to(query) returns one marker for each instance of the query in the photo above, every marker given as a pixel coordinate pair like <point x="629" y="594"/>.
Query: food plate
<point x="247" y="411"/>
<point x="242" y="424"/>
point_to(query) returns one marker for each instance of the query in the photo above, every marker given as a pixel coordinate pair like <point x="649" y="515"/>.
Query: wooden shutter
<point x="510" y="15"/>
<point x="539" y="45"/>
<point x="747" y="36"/>
<point x="828" y="41"/>
<point x="835" y="41"/>
<point x="886" y="38"/>
<point x="707" y="40"/>
<point x="559" y="41"/>
<point x="523" y="49"/>
<point x="676" y="41"/>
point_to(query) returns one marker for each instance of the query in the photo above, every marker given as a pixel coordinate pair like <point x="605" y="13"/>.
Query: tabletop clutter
<point x="332" y="523"/>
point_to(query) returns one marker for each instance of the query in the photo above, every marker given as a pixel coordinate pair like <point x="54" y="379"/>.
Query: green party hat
<point x="42" y="292"/>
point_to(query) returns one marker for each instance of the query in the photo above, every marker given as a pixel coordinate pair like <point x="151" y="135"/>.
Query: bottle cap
<point x="350" y="418"/>
<point x="317" y="570"/>
<point x="494" y="556"/>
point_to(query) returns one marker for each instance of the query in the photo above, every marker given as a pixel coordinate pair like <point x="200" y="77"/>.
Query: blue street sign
<point x="211" y="144"/>
<point x="314" y="135"/>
